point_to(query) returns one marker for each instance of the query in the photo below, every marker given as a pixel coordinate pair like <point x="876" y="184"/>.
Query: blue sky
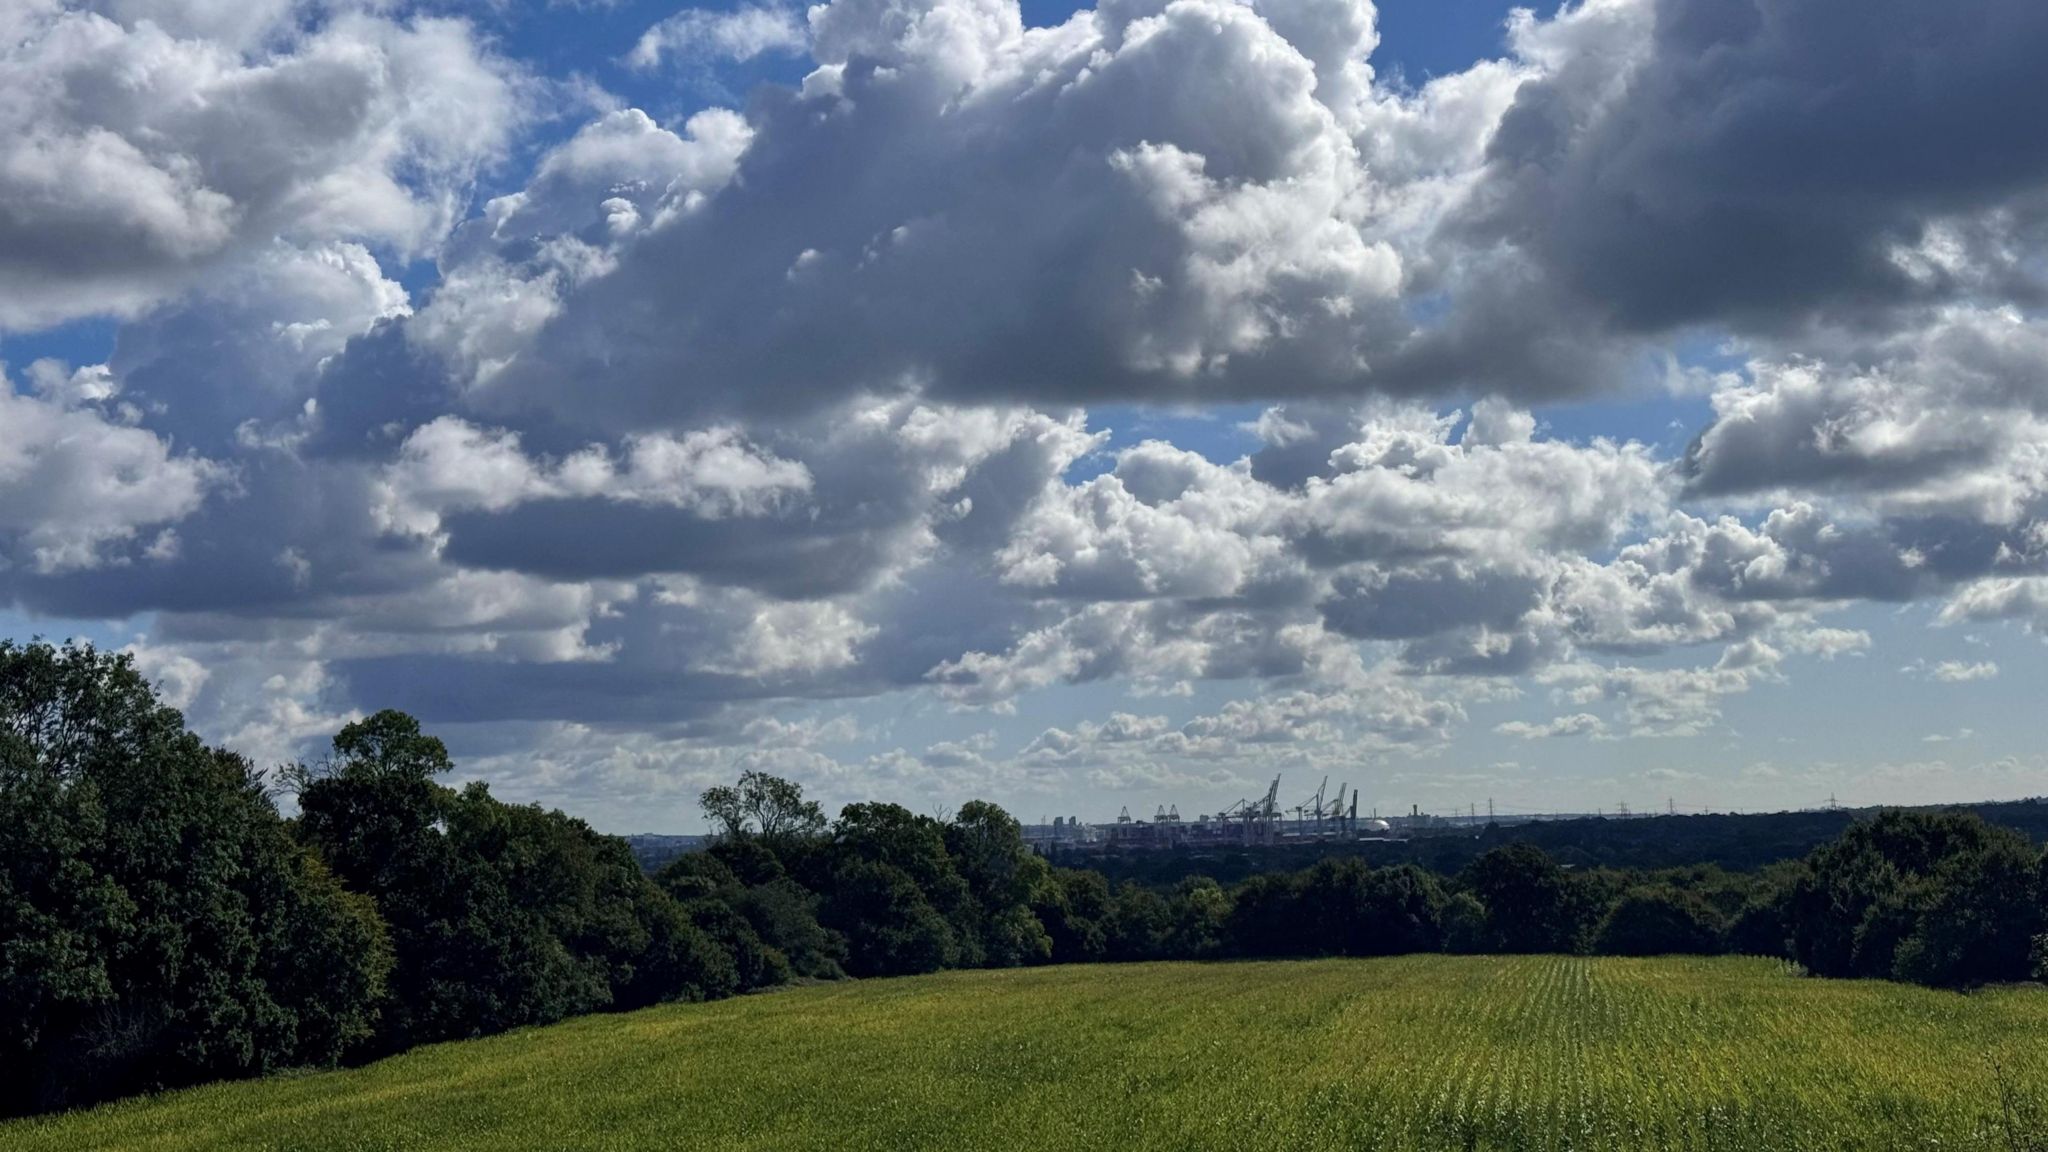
<point x="1121" y="412"/>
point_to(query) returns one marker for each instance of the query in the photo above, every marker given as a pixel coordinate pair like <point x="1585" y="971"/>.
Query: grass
<point x="1421" y="1052"/>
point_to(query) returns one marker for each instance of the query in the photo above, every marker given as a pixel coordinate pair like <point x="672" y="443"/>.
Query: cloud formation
<point x="682" y="425"/>
<point x="146" y="144"/>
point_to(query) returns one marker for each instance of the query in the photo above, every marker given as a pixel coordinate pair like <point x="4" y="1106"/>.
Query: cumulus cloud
<point x="449" y="465"/>
<point x="79" y="485"/>
<point x="819" y="397"/>
<point x="148" y="142"/>
<point x="1160" y="204"/>
<point x="1688" y="161"/>
<point x="1666" y="702"/>
<point x="1945" y="419"/>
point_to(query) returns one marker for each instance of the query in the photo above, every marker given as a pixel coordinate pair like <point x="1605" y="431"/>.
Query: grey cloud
<point x="1410" y="603"/>
<point x="1942" y="420"/>
<point x="977" y="211"/>
<point x="236" y="362"/>
<point x="1752" y="164"/>
<point x="715" y="415"/>
<point x="587" y="539"/>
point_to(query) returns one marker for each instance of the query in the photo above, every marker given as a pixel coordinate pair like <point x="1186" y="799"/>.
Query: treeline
<point x="1739" y="843"/>
<point x="161" y="924"/>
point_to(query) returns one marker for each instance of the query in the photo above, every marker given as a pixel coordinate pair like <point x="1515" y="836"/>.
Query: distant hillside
<point x="653" y="850"/>
<point x="1734" y="842"/>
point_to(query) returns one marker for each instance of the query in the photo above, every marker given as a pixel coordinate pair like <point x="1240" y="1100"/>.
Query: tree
<point x="1001" y="872"/>
<point x="1980" y="918"/>
<point x="1405" y="906"/>
<point x="708" y="891"/>
<point x="499" y="915"/>
<point x="749" y="879"/>
<point x="1330" y="907"/>
<point x="1198" y="912"/>
<point x="892" y="892"/>
<point x="1761" y="924"/>
<point x="1657" y="919"/>
<point x="1140" y="921"/>
<point x="1532" y="905"/>
<point x="763" y="805"/>
<point x="158" y="925"/>
<point x="786" y="915"/>
<point x="389" y="745"/>
<point x="1938" y="898"/>
<point x="1464" y="924"/>
<point x="1074" y="908"/>
<point x="889" y="927"/>
<point x="334" y="960"/>
<point x="2037" y="954"/>
<point x="1264" y="917"/>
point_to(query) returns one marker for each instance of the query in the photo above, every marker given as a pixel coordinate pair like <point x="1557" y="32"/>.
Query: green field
<point x="1414" y="1052"/>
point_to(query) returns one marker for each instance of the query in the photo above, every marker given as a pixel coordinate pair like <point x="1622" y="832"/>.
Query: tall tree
<point x="158" y="925"/>
<point x="500" y="915"/>
<point x="763" y="805"/>
<point x="1001" y="873"/>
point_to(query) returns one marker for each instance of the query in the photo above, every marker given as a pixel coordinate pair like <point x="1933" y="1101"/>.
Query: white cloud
<point x="136" y="152"/>
<point x="1577" y="724"/>
<point x="75" y="485"/>
<point x="710" y="416"/>
<point x="2022" y="598"/>
<point x="799" y="637"/>
<point x="701" y="35"/>
<point x="449" y="465"/>
<point x="1953" y="671"/>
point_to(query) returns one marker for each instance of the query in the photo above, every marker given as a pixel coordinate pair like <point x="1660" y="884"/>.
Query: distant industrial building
<point x="1249" y="822"/>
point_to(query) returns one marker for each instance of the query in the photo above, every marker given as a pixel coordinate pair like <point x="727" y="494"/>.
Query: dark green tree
<point x="889" y="927"/>
<point x="766" y="806"/>
<point x="708" y="891"/>
<point x="1140" y="922"/>
<point x="1465" y="930"/>
<point x="1265" y="917"/>
<point x="1198" y="911"/>
<point x="1001" y="873"/>
<point x="1532" y="904"/>
<point x="1941" y="898"/>
<point x="1073" y="906"/>
<point x="500" y="915"/>
<point x="158" y="925"/>
<point x="873" y="845"/>
<point x="1658" y="919"/>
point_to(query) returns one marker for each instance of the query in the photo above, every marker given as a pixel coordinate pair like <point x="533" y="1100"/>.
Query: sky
<point x="1635" y="402"/>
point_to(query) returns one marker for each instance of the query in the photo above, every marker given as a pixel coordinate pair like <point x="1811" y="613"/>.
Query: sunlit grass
<point x="1415" y="1052"/>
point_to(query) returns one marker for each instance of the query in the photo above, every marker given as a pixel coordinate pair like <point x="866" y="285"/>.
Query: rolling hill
<point x="1418" y="1052"/>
